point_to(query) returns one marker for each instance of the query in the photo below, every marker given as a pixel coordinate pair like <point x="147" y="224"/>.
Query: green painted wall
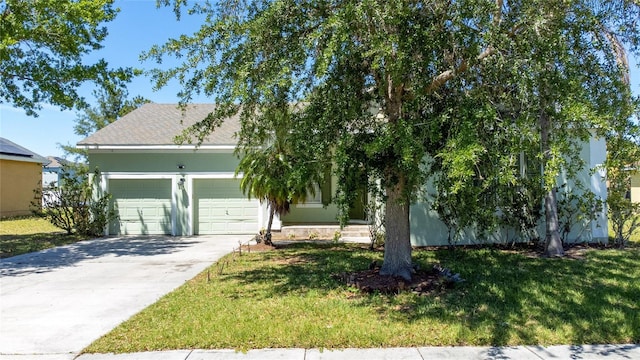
<point x="311" y="215"/>
<point x="164" y="162"/>
<point x="183" y="202"/>
<point x="304" y="214"/>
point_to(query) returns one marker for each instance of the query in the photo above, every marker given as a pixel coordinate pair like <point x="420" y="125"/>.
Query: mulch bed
<point x="260" y="247"/>
<point x="423" y="282"/>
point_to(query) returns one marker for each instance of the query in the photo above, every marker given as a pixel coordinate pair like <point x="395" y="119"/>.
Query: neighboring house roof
<point x="12" y="151"/>
<point x="56" y="162"/>
<point x="154" y="125"/>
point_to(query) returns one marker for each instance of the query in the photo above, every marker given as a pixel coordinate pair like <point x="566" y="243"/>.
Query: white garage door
<point x="143" y="206"/>
<point x="221" y="208"/>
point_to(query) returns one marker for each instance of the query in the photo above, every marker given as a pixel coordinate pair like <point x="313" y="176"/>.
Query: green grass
<point x="287" y="298"/>
<point x="23" y="235"/>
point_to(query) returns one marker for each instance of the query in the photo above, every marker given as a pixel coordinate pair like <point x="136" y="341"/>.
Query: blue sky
<point x="138" y="26"/>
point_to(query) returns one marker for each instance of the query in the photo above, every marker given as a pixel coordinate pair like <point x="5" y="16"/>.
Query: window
<point x="313" y="200"/>
<point x="321" y="192"/>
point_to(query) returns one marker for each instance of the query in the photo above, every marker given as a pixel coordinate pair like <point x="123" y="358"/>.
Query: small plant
<point x="314" y="235"/>
<point x="337" y="235"/>
<point x="378" y="239"/>
<point x="448" y="277"/>
<point x="375" y="213"/>
<point x="263" y="237"/>
<point x="624" y="219"/>
<point x="577" y="211"/>
<point x="291" y="236"/>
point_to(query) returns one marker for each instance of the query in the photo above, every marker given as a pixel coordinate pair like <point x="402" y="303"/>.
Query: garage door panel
<point x="221" y="208"/>
<point x="143" y="206"/>
<point x="239" y="227"/>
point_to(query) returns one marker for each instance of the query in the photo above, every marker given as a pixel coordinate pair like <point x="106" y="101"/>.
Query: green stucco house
<point x="159" y="187"/>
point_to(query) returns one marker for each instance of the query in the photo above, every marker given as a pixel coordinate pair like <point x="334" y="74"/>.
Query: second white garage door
<point x="221" y="208"/>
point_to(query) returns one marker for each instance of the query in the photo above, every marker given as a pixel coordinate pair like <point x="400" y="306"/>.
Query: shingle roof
<point x="9" y="149"/>
<point x="159" y="124"/>
<point x="56" y="162"/>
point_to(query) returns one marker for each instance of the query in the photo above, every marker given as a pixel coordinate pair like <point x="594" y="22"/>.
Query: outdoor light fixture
<point x="181" y="166"/>
<point x="181" y="183"/>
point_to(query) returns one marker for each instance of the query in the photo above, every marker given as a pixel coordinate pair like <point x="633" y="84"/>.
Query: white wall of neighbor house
<point x="428" y="230"/>
<point x="597" y="157"/>
<point x="634" y="192"/>
<point x="49" y="177"/>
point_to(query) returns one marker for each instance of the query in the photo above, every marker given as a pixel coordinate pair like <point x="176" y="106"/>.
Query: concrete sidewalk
<point x="58" y="301"/>
<point x="586" y="352"/>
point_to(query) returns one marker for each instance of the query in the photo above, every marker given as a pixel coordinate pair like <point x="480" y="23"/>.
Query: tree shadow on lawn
<point x="70" y="255"/>
<point x="507" y="298"/>
<point x="298" y="268"/>
<point x="510" y="297"/>
<point x="308" y="267"/>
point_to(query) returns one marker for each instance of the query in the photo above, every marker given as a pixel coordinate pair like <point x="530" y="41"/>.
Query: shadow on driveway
<point x="70" y="255"/>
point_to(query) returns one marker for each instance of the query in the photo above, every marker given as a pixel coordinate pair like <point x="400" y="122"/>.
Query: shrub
<point x="75" y="204"/>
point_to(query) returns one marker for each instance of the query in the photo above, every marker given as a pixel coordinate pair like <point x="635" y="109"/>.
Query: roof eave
<point x="35" y="159"/>
<point x="189" y="147"/>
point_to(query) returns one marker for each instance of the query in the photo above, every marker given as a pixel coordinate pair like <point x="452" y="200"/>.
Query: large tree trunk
<point x="553" y="242"/>
<point x="397" y="245"/>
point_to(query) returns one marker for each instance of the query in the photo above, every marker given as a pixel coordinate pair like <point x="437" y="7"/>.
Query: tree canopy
<point x="42" y="48"/>
<point x="405" y="90"/>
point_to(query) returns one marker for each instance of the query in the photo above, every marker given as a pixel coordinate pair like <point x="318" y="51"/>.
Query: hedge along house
<point x="159" y="187"/>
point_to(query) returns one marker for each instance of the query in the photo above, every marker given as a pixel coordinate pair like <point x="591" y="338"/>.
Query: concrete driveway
<point x="58" y="301"/>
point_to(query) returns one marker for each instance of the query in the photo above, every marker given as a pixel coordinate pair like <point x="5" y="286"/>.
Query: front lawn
<point x="288" y="298"/>
<point x="23" y="235"/>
